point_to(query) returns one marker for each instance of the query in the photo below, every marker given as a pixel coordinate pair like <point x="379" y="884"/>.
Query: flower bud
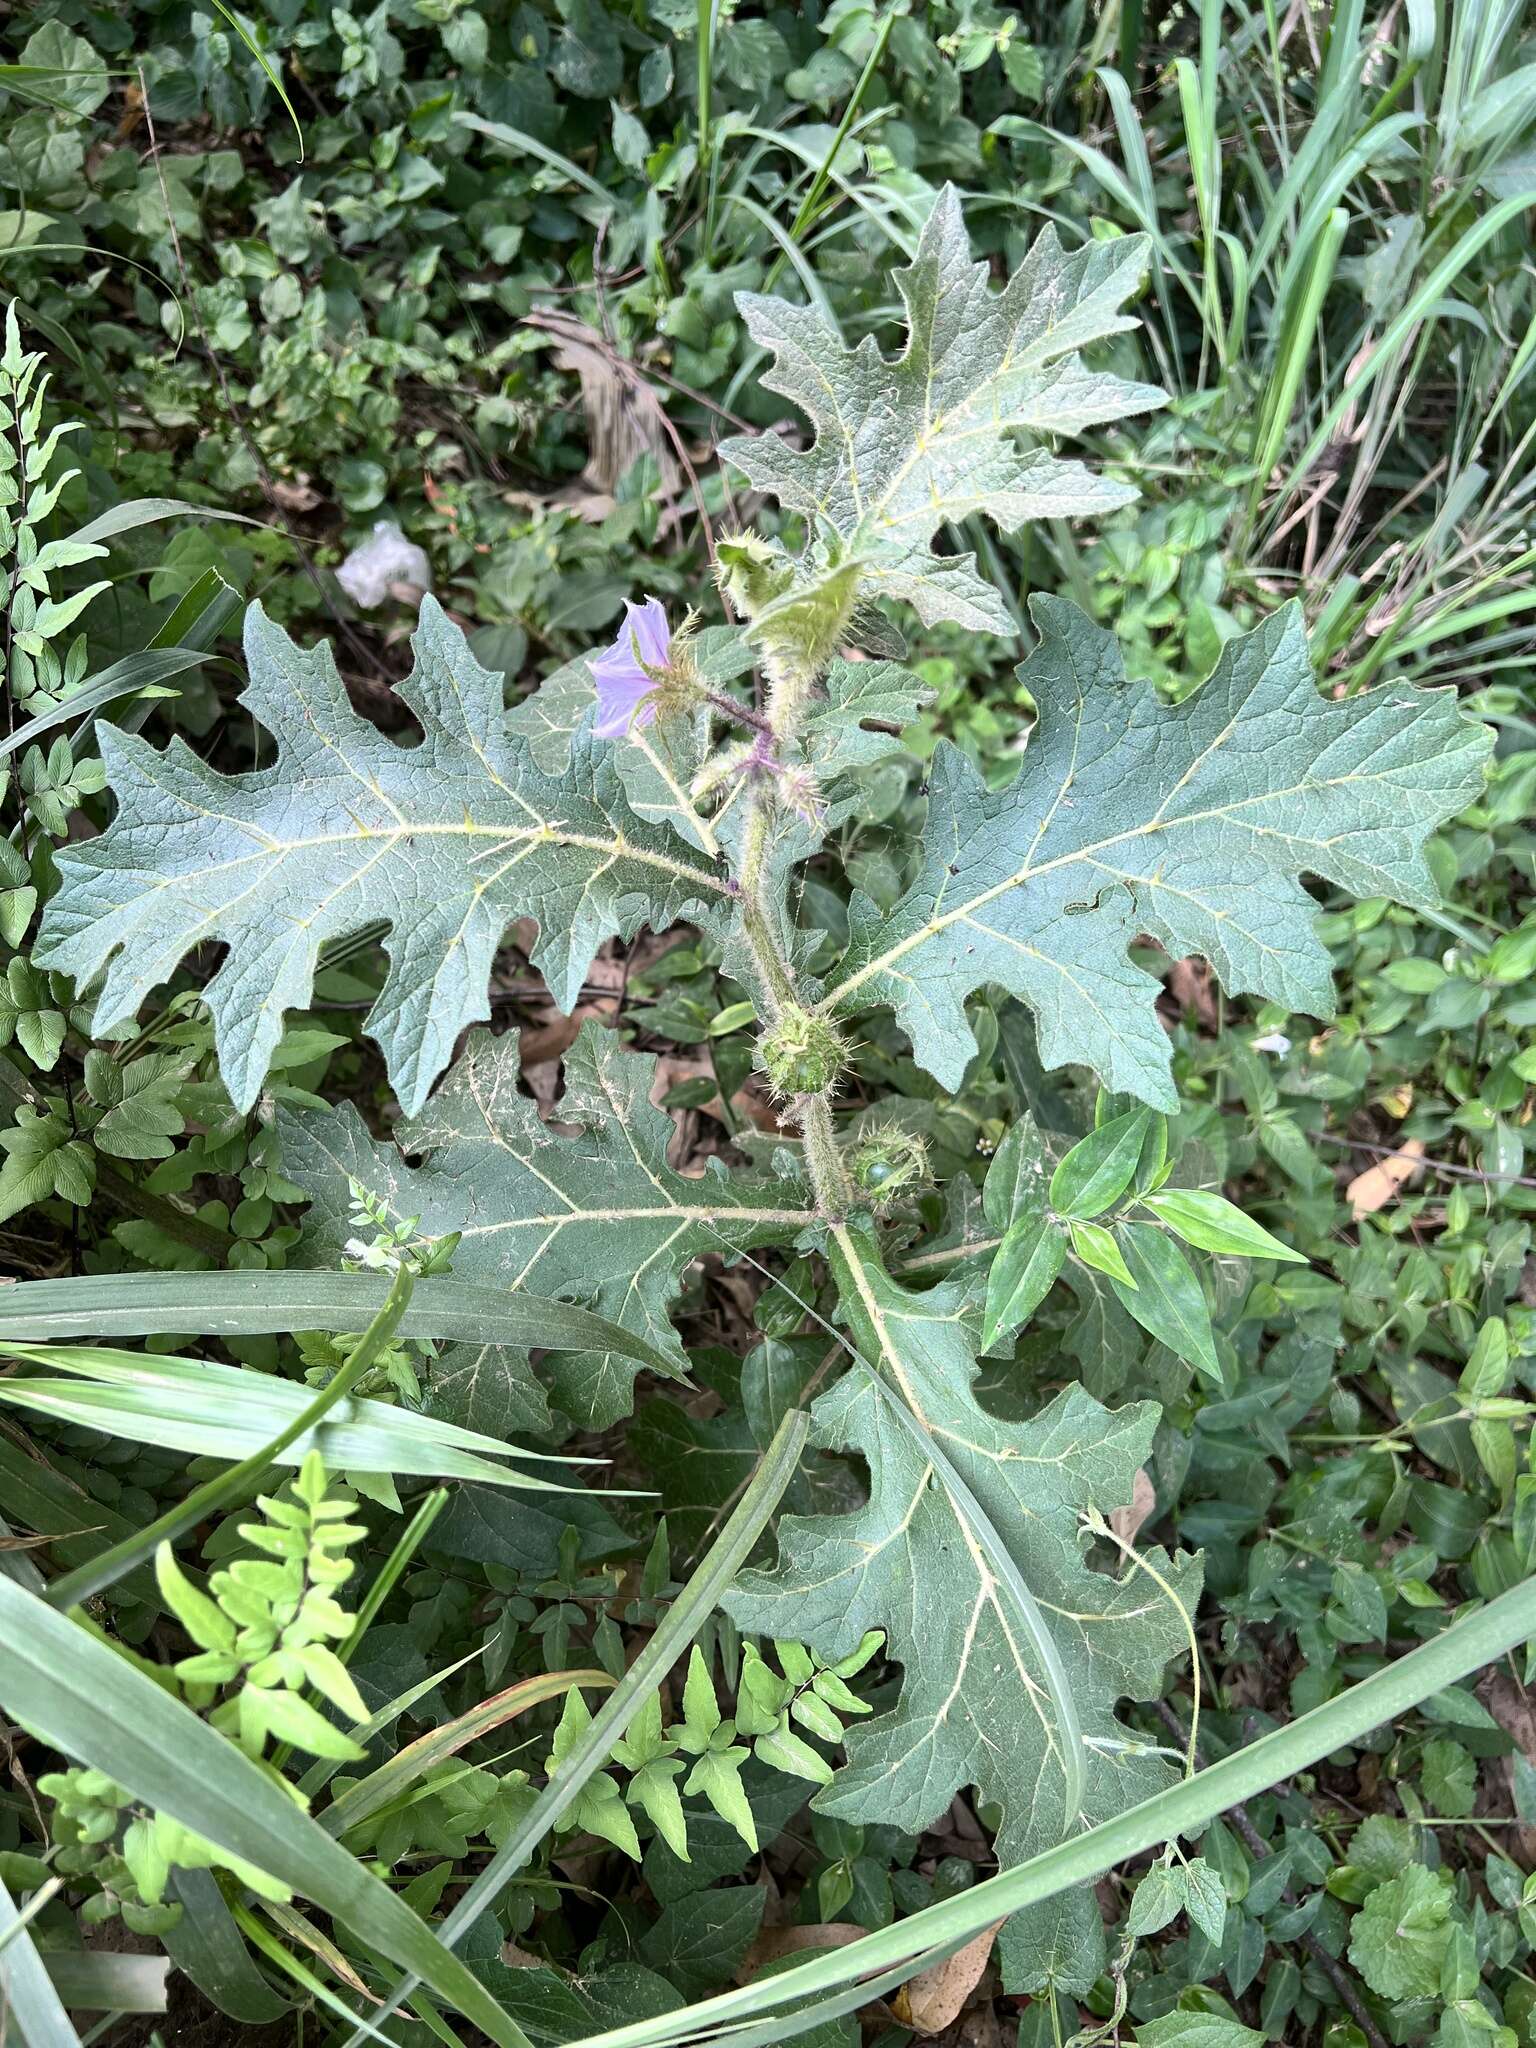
<point x="801" y="1054"/>
<point x="752" y="571"/>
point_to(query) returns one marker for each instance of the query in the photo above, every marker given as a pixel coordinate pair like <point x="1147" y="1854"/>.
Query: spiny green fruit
<point x="801" y="1054"/>
<point x="886" y="1162"/>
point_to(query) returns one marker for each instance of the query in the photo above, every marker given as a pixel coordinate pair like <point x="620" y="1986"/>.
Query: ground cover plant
<point x="768" y="1231"/>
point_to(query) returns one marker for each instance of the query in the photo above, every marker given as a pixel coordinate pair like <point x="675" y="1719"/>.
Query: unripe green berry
<point x="885" y="1163"/>
<point x="801" y="1054"/>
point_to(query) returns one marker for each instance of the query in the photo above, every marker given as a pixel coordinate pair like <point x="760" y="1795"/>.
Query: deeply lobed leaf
<point x="976" y="1705"/>
<point x="905" y="446"/>
<point x="446" y="843"/>
<point x="1193" y="824"/>
<point x="599" y="1215"/>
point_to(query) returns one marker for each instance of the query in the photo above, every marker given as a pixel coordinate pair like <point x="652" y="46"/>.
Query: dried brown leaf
<point x="775" y="1943"/>
<point x="1381" y="1183"/>
<point x="1127" y="1521"/>
<point x="295" y="493"/>
<point x="933" y="1999"/>
<point x="1193" y="988"/>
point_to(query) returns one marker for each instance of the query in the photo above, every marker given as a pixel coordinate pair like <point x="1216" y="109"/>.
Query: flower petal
<point x="621" y="703"/>
<point x="648" y="624"/>
<point x="621" y="680"/>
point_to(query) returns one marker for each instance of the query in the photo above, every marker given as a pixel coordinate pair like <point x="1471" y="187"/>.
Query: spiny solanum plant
<point x="655" y="785"/>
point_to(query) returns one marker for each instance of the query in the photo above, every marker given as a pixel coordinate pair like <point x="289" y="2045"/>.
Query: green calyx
<point x="886" y="1163"/>
<point x="801" y="631"/>
<point x="801" y="1054"/>
<point x="798" y="612"/>
<point x="752" y="571"/>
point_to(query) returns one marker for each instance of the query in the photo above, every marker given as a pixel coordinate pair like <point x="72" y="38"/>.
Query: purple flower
<point x="622" y="683"/>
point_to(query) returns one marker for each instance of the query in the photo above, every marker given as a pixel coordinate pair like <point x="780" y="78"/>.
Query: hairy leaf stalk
<point x="792" y="683"/>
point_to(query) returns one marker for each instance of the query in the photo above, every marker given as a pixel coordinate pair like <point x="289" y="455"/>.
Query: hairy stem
<point x="829" y="1181"/>
<point x="823" y="1160"/>
<point x="778" y="982"/>
<point x="735" y="712"/>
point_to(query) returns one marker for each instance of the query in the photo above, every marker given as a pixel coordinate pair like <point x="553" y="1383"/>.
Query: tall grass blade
<point x="1420" y="306"/>
<point x="253" y="1304"/>
<point x="133" y="513"/>
<point x="684" y="1618"/>
<point x="269" y="70"/>
<point x="704" y="142"/>
<point x="27" y="1994"/>
<point x="205" y="1944"/>
<point x="123" y="679"/>
<point x="83" y="1698"/>
<point x="519" y="144"/>
<point x="806" y="212"/>
<point x="789" y="253"/>
<point x="226" y="1487"/>
<point x="1295" y="352"/>
<point x="365" y="1796"/>
<point x="795" y="1996"/>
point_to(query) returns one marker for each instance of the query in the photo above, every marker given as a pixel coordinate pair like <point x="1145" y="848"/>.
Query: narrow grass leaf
<point x="250" y="1304"/>
<point x="407" y="1765"/>
<point x="794" y="2000"/>
<point x="205" y="1945"/>
<point x="232" y="1484"/>
<point x="684" y="1618"/>
<point x="27" y="1991"/>
<point x="85" y="1700"/>
<point x="134" y="672"/>
<point x="223" y="1411"/>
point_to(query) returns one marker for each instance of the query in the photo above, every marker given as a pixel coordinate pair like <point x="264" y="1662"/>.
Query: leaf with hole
<point x="907" y="444"/>
<point x="446" y="843"/>
<point x="1192" y="823"/>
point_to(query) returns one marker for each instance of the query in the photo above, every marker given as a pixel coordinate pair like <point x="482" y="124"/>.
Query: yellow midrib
<point x="617" y="848"/>
<point x="1081" y="856"/>
<point x="659" y="1213"/>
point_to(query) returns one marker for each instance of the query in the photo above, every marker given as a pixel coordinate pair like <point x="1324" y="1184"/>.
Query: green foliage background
<point x="473" y="269"/>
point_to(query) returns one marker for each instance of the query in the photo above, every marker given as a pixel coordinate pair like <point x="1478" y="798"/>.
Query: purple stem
<point x="741" y="713"/>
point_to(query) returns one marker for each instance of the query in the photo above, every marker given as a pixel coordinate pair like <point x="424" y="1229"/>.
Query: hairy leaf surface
<point x="598" y="1216"/>
<point x="446" y="842"/>
<point x="1193" y="824"/>
<point x="976" y="1704"/>
<point x="853" y="722"/>
<point x="655" y="762"/>
<point x="904" y="446"/>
